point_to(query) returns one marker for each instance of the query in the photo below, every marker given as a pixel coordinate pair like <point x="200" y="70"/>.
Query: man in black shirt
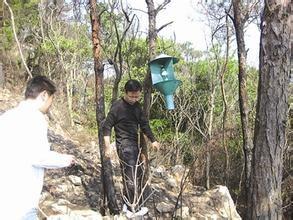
<point x="127" y="117"/>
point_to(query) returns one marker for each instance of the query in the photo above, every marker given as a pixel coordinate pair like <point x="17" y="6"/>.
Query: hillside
<point x="76" y="193"/>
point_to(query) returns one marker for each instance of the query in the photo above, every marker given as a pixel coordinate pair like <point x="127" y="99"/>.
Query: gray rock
<point x="183" y="212"/>
<point x="215" y="204"/>
<point x="78" y="215"/>
<point x="76" y="180"/>
<point x="163" y="207"/>
<point x="171" y="182"/>
<point x="62" y="209"/>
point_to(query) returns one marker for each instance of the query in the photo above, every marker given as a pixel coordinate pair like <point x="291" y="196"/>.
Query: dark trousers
<point x="132" y="173"/>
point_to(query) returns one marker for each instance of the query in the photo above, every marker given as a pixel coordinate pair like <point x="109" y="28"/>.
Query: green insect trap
<point x="162" y="72"/>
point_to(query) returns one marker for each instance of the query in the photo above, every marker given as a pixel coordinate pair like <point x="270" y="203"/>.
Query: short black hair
<point x="38" y="84"/>
<point x="132" y="85"/>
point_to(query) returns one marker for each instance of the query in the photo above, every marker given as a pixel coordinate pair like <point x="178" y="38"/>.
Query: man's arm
<point x="38" y="149"/>
<point x="146" y="129"/>
<point x="107" y="127"/>
<point x="51" y="160"/>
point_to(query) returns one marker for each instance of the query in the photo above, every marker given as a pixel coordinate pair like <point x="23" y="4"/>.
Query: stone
<point x="77" y="215"/>
<point x="183" y="212"/>
<point x="163" y="207"/>
<point x="76" y="180"/>
<point x="62" y="209"/>
<point x="171" y="182"/>
<point x="214" y="204"/>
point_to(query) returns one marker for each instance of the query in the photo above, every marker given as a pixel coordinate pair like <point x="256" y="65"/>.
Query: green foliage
<point x="25" y="18"/>
<point x="8" y="37"/>
<point x="77" y="45"/>
<point x="162" y="129"/>
<point x="25" y="13"/>
<point x="47" y="47"/>
<point x="167" y="47"/>
<point x="137" y="58"/>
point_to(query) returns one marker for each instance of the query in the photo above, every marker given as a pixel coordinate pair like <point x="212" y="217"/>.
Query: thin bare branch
<point x="16" y="39"/>
<point x="163" y="26"/>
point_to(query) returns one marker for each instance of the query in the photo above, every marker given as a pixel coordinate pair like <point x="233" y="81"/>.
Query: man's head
<point x="132" y="91"/>
<point x="41" y="89"/>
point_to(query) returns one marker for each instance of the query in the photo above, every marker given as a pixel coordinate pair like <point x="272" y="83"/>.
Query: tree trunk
<point x="225" y="104"/>
<point x="147" y="85"/>
<point x="152" y="37"/>
<point x="118" y="56"/>
<point x="69" y="94"/>
<point x="239" y="22"/>
<point x="107" y="172"/>
<point x="209" y="136"/>
<point x="271" y="112"/>
<point x="2" y="76"/>
<point x="115" y="90"/>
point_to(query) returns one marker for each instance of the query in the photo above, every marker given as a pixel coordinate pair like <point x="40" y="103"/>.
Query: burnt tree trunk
<point x="147" y="84"/>
<point x="107" y="172"/>
<point x="271" y="112"/>
<point x="115" y="90"/>
<point x="152" y="37"/>
<point x="118" y="56"/>
<point x="2" y="75"/>
<point x="239" y="22"/>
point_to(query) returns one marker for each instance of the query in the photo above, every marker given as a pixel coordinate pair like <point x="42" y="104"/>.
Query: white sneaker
<point x="142" y="211"/>
<point x="129" y="214"/>
<point x="124" y="209"/>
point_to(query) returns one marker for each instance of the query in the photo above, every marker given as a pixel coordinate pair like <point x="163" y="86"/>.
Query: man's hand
<point x="156" y="145"/>
<point x="70" y="159"/>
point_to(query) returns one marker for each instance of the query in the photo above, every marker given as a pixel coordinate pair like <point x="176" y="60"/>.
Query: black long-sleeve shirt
<point x="126" y="119"/>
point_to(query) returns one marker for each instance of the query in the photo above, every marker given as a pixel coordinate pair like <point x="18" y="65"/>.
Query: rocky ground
<point x="76" y="192"/>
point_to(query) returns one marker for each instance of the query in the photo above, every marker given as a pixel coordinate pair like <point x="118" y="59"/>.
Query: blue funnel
<point x="167" y="88"/>
<point x="163" y="78"/>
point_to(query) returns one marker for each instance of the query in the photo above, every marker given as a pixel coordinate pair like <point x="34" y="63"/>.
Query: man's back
<point x="23" y="132"/>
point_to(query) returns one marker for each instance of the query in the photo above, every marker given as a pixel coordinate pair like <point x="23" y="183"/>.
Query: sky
<point x="188" y="25"/>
